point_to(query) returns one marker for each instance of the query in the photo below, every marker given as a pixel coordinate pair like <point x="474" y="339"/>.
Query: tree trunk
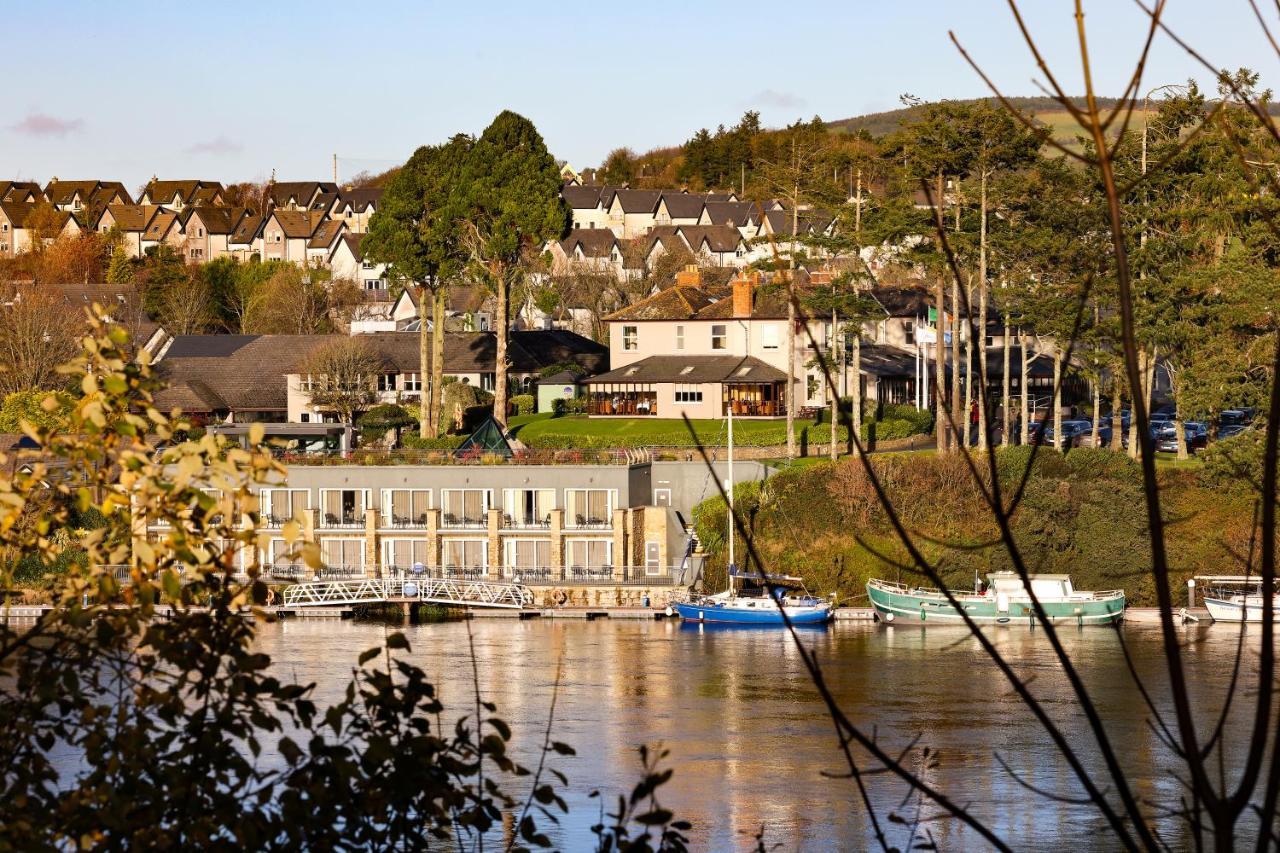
<point x="1135" y="399"/>
<point x="941" y="427"/>
<point x="1025" y="404"/>
<point x="1058" y="439"/>
<point x="1097" y="412"/>
<point x="832" y="390"/>
<point x="982" y="317"/>
<point x="1179" y="435"/>
<point x="503" y="330"/>
<point x="437" y="361"/>
<point x="856" y="392"/>
<point x="1117" y="422"/>
<point x="790" y="397"/>
<point x="425" y="415"/>
<point x="955" y="402"/>
<point x="967" y="425"/>
<point x="1006" y="422"/>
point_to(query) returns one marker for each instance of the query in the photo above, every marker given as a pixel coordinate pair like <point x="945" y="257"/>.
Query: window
<point x="304" y="418"/>
<point x="347" y="554"/>
<point x="589" y="553"/>
<point x="465" y="554"/>
<point x="343" y="507"/>
<point x="199" y="232"/>
<point x="528" y="507"/>
<point x="403" y="554"/>
<point x="281" y="505"/>
<point x="719" y="336"/>
<point x="688" y="394"/>
<point x="526" y="554"/>
<point x="386" y="382"/>
<point x="464" y="507"/>
<point x="909" y="331"/>
<point x="281" y="553"/>
<point x="588" y="507"/>
<point x="630" y="338"/>
<point x="405" y="507"/>
<point x="486" y="382"/>
<point x="366" y="265"/>
<point x="412" y="382"/>
<point x="679" y="337"/>
<point x="769" y="336"/>
<point x="5" y="227"/>
<point x="374" y="284"/>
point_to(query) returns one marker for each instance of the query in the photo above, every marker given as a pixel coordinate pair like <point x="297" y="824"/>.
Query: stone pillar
<point x="310" y="523"/>
<point x="433" y="540"/>
<point x="494" y="543"/>
<point x="557" y="542"/>
<point x="619" y="541"/>
<point x="371" y="567"/>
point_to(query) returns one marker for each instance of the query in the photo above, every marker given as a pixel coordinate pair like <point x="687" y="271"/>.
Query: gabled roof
<point x="326" y="234"/>
<point x="683" y="205"/>
<point x="20" y="191"/>
<point x="160" y="224"/>
<point x="670" y="236"/>
<point x="768" y="302"/>
<point x="17" y="212"/>
<point x="300" y="191"/>
<point x="594" y="242"/>
<point x="675" y="303"/>
<point x="637" y="201"/>
<point x="360" y="198"/>
<point x="248" y="229"/>
<point x="739" y="214"/>
<point x="62" y="192"/>
<point x="130" y="218"/>
<point x="581" y="197"/>
<point x="693" y="370"/>
<point x="190" y="191"/>
<point x="298" y="224"/>
<point x="352" y="242"/>
<point x="218" y="220"/>
<point x="718" y="238"/>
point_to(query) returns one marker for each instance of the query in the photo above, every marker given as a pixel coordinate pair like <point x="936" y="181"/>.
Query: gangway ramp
<point x="446" y="591"/>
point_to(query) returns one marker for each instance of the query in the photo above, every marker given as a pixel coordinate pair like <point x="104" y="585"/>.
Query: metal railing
<point x="437" y="591"/>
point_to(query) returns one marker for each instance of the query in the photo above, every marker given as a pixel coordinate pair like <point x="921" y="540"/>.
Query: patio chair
<point x="450" y="519"/>
<point x="582" y="520"/>
<point x="331" y="519"/>
<point x="422" y="519"/>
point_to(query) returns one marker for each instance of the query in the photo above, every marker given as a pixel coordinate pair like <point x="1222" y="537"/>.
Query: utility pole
<point x="335" y="168"/>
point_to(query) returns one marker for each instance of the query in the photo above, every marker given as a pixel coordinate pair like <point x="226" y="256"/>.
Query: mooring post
<point x="406" y="607"/>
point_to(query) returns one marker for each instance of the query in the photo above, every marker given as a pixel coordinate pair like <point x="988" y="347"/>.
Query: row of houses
<point x="308" y="223"/>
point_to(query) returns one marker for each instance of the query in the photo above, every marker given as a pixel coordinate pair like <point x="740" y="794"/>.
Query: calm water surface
<point x="748" y="737"/>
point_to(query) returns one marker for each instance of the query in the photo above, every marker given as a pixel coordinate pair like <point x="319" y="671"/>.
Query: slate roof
<point x="20" y="191"/>
<point x="326" y="233"/>
<point x="736" y="213"/>
<point x="595" y="242"/>
<point x="361" y="198"/>
<point x="581" y="198"/>
<point x="131" y="217"/>
<point x="882" y="360"/>
<point x="693" y="370"/>
<point x="300" y="191"/>
<point x="637" y="201"/>
<point x="247" y="230"/>
<point x="768" y="302"/>
<point x="903" y="301"/>
<point x="219" y="220"/>
<point x="684" y="205"/>
<point x="298" y="224"/>
<point x="719" y="238"/>
<point x="674" y="303"/>
<point x="17" y="212"/>
<point x="160" y="224"/>
<point x="188" y="190"/>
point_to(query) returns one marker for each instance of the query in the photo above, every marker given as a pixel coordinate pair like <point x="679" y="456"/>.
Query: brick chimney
<point x="690" y="276"/>
<point x="743" y="284"/>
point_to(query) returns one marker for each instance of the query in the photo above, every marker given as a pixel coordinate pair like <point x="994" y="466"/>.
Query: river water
<point x="748" y="735"/>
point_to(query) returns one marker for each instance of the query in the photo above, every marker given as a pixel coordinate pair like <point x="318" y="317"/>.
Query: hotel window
<point x="281" y="505"/>
<point x="343" y="554"/>
<point x="281" y="553"/>
<point x="412" y="382"/>
<point x="719" y="336"/>
<point x="588" y="553"/>
<point x="405" y="507"/>
<point x="465" y="554"/>
<point x="386" y="382"/>
<point x="688" y="394"/>
<point x="588" y="507"/>
<point x="464" y="507"/>
<point x="679" y="337"/>
<point x="403" y="554"/>
<point x="525" y="554"/>
<point x="769" y="336"/>
<point x="630" y="335"/>
<point x="909" y="332"/>
<point x="528" y="507"/>
<point x="343" y="507"/>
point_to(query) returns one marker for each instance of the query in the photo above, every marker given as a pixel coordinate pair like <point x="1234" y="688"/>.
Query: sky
<point x="234" y="90"/>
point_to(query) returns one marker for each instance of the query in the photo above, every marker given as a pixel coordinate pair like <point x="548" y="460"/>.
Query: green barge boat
<point x="1004" y="601"/>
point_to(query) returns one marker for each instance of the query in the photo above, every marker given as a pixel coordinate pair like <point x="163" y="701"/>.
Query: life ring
<point x="559" y="596"/>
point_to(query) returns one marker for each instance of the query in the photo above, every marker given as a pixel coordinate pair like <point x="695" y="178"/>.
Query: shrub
<point x="524" y="404"/>
<point x="32" y="407"/>
<point x="413" y="441"/>
<point x="1235" y="463"/>
<point x="573" y="406"/>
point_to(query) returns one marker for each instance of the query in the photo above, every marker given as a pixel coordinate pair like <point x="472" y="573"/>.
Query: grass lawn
<point x="655" y="431"/>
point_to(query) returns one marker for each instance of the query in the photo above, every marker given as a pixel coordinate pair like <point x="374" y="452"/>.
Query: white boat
<point x="1235" y="598"/>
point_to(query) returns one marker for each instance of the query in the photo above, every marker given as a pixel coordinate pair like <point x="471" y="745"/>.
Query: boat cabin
<point x="1045" y="587"/>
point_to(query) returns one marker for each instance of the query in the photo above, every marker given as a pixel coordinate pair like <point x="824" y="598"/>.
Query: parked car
<point x="1197" y="437"/>
<point x="1104" y="434"/>
<point x="1234" y="417"/>
<point x="1071" y="432"/>
<point x="1228" y="430"/>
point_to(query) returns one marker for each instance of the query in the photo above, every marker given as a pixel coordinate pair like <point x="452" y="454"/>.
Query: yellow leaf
<point x="291" y="530"/>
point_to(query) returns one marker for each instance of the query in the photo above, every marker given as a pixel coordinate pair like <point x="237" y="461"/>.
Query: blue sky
<point x="231" y="90"/>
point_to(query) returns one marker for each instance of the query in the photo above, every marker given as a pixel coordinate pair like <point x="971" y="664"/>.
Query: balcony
<point x="407" y="522"/>
<point x="586" y="522"/>
<point x="341" y="521"/>
<point x="524" y="521"/>
<point x="450" y="521"/>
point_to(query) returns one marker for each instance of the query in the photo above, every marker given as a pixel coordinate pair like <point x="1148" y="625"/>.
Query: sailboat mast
<point x="729" y="492"/>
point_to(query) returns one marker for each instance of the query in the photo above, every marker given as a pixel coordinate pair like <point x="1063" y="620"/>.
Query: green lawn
<point x="547" y="429"/>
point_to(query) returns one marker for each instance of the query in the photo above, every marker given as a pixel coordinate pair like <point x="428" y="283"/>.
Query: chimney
<point x="743" y="283"/>
<point x="690" y="276"/>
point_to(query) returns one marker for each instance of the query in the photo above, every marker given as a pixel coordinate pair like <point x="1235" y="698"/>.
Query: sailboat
<point x="761" y="605"/>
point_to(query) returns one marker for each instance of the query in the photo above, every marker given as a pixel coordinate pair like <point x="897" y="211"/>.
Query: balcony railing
<point x="583" y="522"/>
<point x="407" y="522"/>
<point x="332" y="521"/>
<point x="526" y="522"/>
<point x="547" y="576"/>
<point x="463" y="522"/>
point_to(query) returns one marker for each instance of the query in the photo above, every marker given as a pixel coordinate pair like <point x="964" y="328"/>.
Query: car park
<point x="1197" y="437"/>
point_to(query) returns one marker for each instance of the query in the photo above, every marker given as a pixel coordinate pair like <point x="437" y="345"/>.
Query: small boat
<point x="1005" y="601"/>
<point x="1236" y="598"/>
<point x="754" y="605"/>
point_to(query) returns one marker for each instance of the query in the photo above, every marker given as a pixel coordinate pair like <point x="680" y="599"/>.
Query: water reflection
<point x="747" y="732"/>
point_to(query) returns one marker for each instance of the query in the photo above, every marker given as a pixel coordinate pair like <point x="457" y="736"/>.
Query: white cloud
<point x="778" y="100"/>
<point x="40" y="124"/>
<point x="219" y="146"/>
